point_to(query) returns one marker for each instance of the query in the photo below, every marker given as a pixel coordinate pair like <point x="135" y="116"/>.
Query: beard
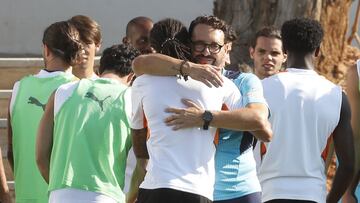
<point x="201" y="59"/>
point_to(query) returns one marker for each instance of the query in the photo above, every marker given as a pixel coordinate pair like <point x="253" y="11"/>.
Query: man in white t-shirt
<point x="306" y="109"/>
<point x="181" y="163"/>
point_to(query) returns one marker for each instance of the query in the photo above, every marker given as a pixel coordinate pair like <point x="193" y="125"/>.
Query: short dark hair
<point x="89" y="29"/>
<point x="215" y="23"/>
<point x="136" y="21"/>
<point x="170" y="37"/>
<point x="63" y="40"/>
<point x="301" y="35"/>
<point x="268" y="31"/>
<point x="118" y="58"/>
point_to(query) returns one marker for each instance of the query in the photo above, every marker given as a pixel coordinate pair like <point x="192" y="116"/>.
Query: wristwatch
<point x="207" y="117"/>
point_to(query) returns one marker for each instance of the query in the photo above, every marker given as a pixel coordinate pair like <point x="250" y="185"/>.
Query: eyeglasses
<point x="200" y="46"/>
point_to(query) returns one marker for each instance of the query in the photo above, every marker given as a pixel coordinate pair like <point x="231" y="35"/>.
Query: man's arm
<point x="251" y="90"/>
<point x="264" y="134"/>
<point x="44" y="140"/>
<point x="352" y="91"/>
<point x="4" y="189"/>
<point x="244" y="119"/>
<point x="142" y="157"/>
<point x="162" y="65"/>
<point x="344" y="147"/>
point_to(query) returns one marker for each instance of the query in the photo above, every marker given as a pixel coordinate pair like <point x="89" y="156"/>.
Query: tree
<point x="248" y="16"/>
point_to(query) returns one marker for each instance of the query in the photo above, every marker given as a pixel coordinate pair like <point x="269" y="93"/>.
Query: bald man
<point x="138" y="33"/>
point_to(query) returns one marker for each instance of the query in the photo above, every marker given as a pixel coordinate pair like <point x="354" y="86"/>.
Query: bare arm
<point x="343" y="142"/>
<point x="142" y="157"/>
<point x="44" y="140"/>
<point x="352" y="90"/>
<point x="4" y="189"/>
<point x="264" y="134"/>
<point x="251" y="118"/>
<point x="162" y="65"/>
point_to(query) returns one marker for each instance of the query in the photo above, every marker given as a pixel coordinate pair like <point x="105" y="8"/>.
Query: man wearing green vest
<point x="61" y="50"/>
<point x="83" y="137"/>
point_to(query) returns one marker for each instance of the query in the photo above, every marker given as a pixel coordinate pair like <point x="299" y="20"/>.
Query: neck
<point x="122" y="80"/>
<point x="300" y="61"/>
<point x="56" y="65"/>
<point x="81" y="72"/>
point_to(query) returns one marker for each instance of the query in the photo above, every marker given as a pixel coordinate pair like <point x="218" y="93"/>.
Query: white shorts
<point x="71" y="195"/>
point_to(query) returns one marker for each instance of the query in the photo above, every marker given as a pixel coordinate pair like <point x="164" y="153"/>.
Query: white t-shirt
<point x="131" y="159"/>
<point x="305" y="110"/>
<point x="183" y="159"/>
<point x="72" y="195"/>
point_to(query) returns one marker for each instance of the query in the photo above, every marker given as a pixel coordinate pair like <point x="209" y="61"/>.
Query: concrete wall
<point x="22" y="22"/>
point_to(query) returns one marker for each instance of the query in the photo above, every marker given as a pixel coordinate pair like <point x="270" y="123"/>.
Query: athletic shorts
<point x="167" y="195"/>
<point x="289" y="201"/>
<point x="250" y="198"/>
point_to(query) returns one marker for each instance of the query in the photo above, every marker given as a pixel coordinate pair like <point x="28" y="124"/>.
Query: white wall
<point x="22" y="22"/>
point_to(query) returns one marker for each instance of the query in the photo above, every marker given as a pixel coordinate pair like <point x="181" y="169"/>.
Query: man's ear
<point x="126" y="40"/>
<point x="317" y="52"/>
<point x="46" y="50"/>
<point x="251" y="51"/>
<point x="97" y="47"/>
<point x="228" y="47"/>
<point x="130" y="78"/>
<point x="285" y="57"/>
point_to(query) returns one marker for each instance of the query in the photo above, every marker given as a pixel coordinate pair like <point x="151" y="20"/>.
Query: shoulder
<point x="67" y="87"/>
<point x="247" y="79"/>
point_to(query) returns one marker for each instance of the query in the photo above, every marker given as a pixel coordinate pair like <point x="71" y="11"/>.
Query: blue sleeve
<point x="250" y="88"/>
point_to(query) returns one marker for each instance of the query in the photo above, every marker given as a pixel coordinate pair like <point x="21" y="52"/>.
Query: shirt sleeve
<point x="250" y="88"/>
<point x="13" y="96"/>
<point x="232" y="96"/>
<point x="137" y="120"/>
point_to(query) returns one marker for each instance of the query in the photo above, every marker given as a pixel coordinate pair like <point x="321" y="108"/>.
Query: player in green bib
<point x="84" y="135"/>
<point x="61" y="49"/>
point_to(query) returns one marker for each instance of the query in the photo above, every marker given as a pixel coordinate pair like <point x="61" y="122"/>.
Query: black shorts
<point x="289" y="201"/>
<point x="167" y="195"/>
<point x="250" y="198"/>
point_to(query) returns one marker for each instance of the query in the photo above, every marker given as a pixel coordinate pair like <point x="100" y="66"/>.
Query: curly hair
<point x="170" y="37"/>
<point x="118" y="58"/>
<point x="301" y="35"/>
<point x="63" y="40"/>
<point x="215" y="23"/>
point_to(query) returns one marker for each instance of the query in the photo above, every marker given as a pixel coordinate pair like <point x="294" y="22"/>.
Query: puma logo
<point x="36" y="102"/>
<point x="93" y="97"/>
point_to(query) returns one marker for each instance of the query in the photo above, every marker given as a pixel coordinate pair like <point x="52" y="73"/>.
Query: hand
<point x="208" y="74"/>
<point x="185" y="118"/>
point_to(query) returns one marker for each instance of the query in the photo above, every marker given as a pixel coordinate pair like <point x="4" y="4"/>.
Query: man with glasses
<point x="235" y="166"/>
